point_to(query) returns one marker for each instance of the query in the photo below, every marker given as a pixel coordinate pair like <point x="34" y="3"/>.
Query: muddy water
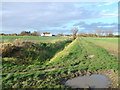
<point x="93" y="81"/>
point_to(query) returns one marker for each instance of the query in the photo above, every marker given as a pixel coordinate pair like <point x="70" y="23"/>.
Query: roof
<point x="46" y="33"/>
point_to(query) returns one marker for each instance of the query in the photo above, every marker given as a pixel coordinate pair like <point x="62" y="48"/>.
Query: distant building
<point x="59" y="35"/>
<point x="46" y="34"/>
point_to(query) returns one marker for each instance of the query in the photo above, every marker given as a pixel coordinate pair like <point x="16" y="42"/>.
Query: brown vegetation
<point x="8" y="48"/>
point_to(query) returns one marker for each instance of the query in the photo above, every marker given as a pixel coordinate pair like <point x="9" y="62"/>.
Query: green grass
<point x="63" y="64"/>
<point x="110" y="44"/>
<point x="76" y="56"/>
<point x="32" y="55"/>
<point x="32" y="38"/>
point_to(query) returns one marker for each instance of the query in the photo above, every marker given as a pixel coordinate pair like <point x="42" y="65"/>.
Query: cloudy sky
<point x="59" y="17"/>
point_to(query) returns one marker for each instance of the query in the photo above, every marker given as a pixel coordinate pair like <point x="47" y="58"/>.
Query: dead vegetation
<point x="8" y="48"/>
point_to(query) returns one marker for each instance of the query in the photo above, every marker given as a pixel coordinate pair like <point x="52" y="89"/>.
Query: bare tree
<point x="36" y="33"/>
<point x="109" y="32"/>
<point x="74" y="32"/>
<point x="25" y="33"/>
<point x="99" y="32"/>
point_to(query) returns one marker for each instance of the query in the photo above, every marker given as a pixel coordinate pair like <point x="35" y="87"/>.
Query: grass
<point x="65" y="60"/>
<point x="110" y="44"/>
<point x="34" y="39"/>
<point x="77" y="56"/>
<point x="36" y="54"/>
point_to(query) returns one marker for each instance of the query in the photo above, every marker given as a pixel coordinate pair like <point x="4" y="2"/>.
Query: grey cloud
<point x="38" y="15"/>
<point x="43" y="14"/>
<point x="93" y="26"/>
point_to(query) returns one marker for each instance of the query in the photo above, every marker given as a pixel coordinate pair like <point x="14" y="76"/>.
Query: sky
<point x="59" y="17"/>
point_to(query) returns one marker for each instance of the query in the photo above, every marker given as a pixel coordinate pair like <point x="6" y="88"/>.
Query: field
<point x="110" y="44"/>
<point x="34" y="39"/>
<point x="49" y="65"/>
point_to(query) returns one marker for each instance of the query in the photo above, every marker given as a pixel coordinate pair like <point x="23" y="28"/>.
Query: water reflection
<point x="93" y="81"/>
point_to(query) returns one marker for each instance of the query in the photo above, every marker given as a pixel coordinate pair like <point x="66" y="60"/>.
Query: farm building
<point x="46" y="34"/>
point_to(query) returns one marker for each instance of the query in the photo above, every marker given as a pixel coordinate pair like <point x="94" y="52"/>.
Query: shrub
<point x="9" y="48"/>
<point x="6" y="48"/>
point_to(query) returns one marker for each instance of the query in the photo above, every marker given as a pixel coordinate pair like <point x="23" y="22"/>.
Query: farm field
<point x="34" y="39"/>
<point x="49" y="65"/>
<point x="110" y="44"/>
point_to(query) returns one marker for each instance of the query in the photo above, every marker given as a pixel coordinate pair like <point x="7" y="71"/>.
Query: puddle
<point x="93" y="81"/>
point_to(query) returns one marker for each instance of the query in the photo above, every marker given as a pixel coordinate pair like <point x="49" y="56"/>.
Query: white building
<point x="46" y="34"/>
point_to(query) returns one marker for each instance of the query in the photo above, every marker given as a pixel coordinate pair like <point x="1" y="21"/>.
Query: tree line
<point x="23" y="33"/>
<point x="98" y="33"/>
